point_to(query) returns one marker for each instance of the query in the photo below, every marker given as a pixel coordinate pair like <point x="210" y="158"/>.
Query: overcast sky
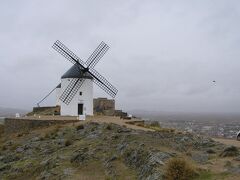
<point x="164" y="54"/>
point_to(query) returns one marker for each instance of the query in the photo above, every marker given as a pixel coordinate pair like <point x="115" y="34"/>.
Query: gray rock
<point x="184" y="139"/>
<point x="68" y="171"/>
<point x="80" y="156"/>
<point x="200" y="157"/>
<point x="158" y="158"/>
<point x="155" y="176"/>
<point x="35" y="139"/>
<point x="235" y="170"/>
<point x="123" y="130"/>
<point x="122" y="146"/>
<point x="19" y="149"/>
<point x="60" y="141"/>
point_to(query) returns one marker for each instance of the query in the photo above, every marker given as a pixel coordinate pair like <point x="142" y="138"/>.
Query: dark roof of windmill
<point x="59" y="85"/>
<point x="76" y="72"/>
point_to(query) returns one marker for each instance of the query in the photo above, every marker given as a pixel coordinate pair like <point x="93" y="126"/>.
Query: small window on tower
<point x="80" y="93"/>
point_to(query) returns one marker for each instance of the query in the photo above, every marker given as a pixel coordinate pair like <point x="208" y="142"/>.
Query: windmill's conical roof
<point x="76" y="72"/>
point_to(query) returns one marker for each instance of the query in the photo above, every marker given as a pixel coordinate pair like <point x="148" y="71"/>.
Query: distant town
<point x="226" y="130"/>
<point x="213" y="125"/>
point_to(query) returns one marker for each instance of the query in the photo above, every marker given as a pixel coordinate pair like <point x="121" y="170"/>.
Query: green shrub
<point x="179" y="169"/>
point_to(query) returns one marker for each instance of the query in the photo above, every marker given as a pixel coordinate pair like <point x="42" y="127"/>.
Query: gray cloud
<point x="164" y="54"/>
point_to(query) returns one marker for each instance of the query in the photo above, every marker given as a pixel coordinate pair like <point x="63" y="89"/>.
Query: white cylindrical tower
<point x="82" y="102"/>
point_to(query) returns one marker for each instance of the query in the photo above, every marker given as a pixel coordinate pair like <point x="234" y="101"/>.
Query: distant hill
<point x="8" y="112"/>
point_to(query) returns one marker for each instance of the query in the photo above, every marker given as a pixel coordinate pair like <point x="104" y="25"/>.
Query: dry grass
<point x="179" y="169"/>
<point x="154" y="125"/>
<point x="1" y="129"/>
<point x="52" y="133"/>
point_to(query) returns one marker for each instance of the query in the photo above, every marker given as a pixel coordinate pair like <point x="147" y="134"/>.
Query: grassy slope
<point x="93" y="151"/>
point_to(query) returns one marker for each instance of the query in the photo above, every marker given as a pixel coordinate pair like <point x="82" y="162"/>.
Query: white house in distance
<point x="82" y="102"/>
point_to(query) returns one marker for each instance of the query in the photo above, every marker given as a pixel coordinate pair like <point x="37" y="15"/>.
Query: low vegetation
<point x="180" y="169"/>
<point x="230" y="151"/>
<point x="1" y="130"/>
<point x="155" y="125"/>
<point x="79" y="127"/>
<point x="108" y="151"/>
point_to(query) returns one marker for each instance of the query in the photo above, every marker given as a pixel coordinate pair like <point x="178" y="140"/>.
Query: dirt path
<point x="116" y="120"/>
<point x="232" y="142"/>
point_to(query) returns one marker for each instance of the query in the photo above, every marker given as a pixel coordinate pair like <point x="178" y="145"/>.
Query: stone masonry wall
<point x="16" y="125"/>
<point x="104" y="106"/>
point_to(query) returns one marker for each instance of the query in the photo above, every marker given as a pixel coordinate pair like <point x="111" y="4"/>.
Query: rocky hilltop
<point x="109" y="151"/>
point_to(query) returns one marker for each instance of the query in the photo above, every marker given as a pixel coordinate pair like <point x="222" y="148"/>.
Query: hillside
<point x="92" y="150"/>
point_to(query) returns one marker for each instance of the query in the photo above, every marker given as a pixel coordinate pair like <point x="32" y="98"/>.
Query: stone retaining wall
<point x="16" y="125"/>
<point x="104" y="106"/>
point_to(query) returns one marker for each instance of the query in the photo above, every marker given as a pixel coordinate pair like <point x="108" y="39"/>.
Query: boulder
<point x="200" y="157"/>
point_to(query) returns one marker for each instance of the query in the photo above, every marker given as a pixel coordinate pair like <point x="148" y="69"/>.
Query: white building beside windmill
<point x="82" y="101"/>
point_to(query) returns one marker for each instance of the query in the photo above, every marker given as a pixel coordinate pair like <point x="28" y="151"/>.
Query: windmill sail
<point x="97" y="54"/>
<point x="71" y="90"/>
<point x="68" y="54"/>
<point x="103" y="83"/>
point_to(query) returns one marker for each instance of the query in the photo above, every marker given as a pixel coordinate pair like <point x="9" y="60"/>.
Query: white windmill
<point x="75" y="92"/>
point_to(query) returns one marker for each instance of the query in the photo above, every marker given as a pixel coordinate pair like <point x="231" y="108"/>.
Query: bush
<point x="155" y="124"/>
<point x="68" y="142"/>
<point x="179" y="169"/>
<point x="79" y="127"/>
<point x="230" y="151"/>
<point x="109" y="127"/>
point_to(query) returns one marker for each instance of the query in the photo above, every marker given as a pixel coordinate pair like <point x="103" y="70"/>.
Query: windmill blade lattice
<point x="67" y="53"/>
<point x="97" y="54"/>
<point x="103" y="83"/>
<point x="71" y="90"/>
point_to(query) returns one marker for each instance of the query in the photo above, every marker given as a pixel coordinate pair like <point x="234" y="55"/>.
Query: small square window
<point x="80" y="93"/>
